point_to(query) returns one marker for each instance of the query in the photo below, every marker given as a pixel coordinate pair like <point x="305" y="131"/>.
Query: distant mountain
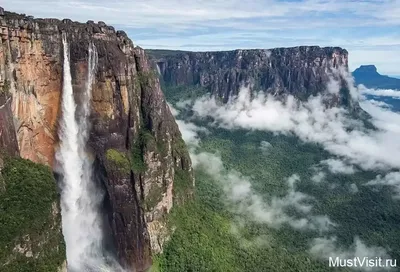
<point x="370" y="78"/>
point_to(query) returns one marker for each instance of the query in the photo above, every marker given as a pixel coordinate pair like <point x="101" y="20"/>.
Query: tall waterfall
<point x="80" y="198"/>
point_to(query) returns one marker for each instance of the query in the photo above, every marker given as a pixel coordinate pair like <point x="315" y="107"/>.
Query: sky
<point x="369" y="30"/>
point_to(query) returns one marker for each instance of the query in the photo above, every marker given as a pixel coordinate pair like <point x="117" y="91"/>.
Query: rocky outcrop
<point x="300" y="71"/>
<point x="137" y="148"/>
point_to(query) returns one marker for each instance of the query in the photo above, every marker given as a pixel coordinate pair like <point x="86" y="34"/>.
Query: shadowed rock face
<point x="130" y="120"/>
<point x="8" y="139"/>
<point x="300" y="71"/>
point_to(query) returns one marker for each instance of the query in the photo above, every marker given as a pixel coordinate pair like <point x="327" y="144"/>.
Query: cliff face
<point x="31" y="237"/>
<point x="8" y="139"/>
<point x="300" y="71"/>
<point x="137" y="148"/>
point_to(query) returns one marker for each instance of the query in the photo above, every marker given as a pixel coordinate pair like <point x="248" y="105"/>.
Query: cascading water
<point x="80" y="197"/>
<point x="158" y="69"/>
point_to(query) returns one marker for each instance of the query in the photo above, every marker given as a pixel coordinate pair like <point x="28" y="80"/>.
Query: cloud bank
<point x="352" y="145"/>
<point x="336" y="166"/>
<point x="244" y="201"/>
<point x="391" y="179"/>
<point x="380" y="92"/>
<point x="312" y="122"/>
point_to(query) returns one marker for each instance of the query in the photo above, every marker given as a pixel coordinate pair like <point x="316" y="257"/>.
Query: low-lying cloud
<point x="391" y="179"/>
<point x="380" y="92"/>
<point x="318" y="177"/>
<point x="312" y="122"/>
<point x="380" y="104"/>
<point x="245" y="202"/>
<point x="265" y="146"/>
<point x="353" y="146"/>
<point x="336" y="166"/>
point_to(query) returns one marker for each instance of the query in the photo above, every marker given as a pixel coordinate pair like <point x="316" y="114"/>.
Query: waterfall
<point x="84" y="119"/>
<point x="80" y="197"/>
<point x="158" y="69"/>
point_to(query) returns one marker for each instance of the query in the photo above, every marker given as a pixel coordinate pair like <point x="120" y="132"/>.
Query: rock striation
<point x="138" y="152"/>
<point x="300" y="71"/>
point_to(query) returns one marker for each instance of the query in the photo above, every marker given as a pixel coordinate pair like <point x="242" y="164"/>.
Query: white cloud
<point x="354" y="188"/>
<point x="338" y="166"/>
<point x="384" y="119"/>
<point x="260" y="113"/>
<point x="265" y="146"/>
<point x="313" y="122"/>
<point x="246" y="203"/>
<point x="391" y="179"/>
<point x="327" y="247"/>
<point x="241" y="197"/>
<point x="318" y="177"/>
<point x="182" y="104"/>
<point x="380" y="92"/>
<point x="190" y="132"/>
<point x="379" y="103"/>
<point x="174" y="12"/>
<point x="174" y="111"/>
<point x="333" y="86"/>
<point x="348" y="139"/>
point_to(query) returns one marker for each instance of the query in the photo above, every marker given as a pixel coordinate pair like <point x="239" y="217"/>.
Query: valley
<point x="269" y="233"/>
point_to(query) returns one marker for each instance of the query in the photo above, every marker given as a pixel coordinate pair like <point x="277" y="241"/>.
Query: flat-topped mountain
<point x="369" y="76"/>
<point x="300" y="71"/>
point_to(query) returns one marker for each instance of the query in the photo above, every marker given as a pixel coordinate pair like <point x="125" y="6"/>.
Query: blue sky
<point x="369" y="30"/>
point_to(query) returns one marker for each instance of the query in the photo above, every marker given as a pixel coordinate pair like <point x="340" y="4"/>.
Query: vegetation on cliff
<point x="119" y="160"/>
<point x="30" y="223"/>
<point x="5" y="89"/>
<point x="144" y="140"/>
